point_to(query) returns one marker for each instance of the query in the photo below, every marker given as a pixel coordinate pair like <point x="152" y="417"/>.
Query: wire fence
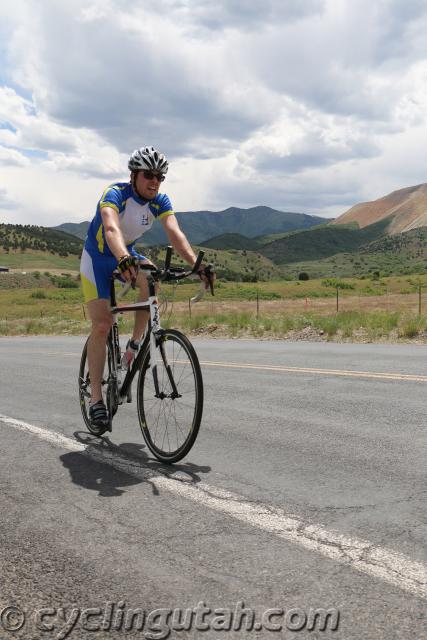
<point x="410" y="303"/>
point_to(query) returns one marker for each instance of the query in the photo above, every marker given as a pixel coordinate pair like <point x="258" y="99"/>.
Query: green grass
<point x="43" y="304"/>
<point x="365" y="326"/>
<point x="38" y="260"/>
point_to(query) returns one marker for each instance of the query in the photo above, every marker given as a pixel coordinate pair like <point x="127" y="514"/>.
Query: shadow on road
<point x="89" y="470"/>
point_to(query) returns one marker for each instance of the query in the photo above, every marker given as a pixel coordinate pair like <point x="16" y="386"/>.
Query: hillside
<point x="400" y="254"/>
<point x="232" y="264"/>
<point x="321" y="242"/>
<point x="231" y="241"/>
<point x="78" y="229"/>
<point x="17" y="237"/>
<point x="325" y="251"/>
<point x="405" y="209"/>
<point x="200" y="226"/>
<point x="30" y="247"/>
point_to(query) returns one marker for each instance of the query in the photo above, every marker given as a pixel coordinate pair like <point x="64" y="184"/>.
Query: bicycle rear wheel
<point x="170" y="399"/>
<point x="85" y="388"/>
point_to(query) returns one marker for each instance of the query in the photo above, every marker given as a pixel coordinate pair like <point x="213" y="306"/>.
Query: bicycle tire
<point x="84" y="387"/>
<point x="164" y="419"/>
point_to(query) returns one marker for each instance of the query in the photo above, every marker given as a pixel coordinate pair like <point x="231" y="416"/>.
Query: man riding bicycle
<point x="124" y="213"/>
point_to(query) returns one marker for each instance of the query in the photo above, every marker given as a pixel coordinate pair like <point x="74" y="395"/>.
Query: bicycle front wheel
<point x="170" y="397"/>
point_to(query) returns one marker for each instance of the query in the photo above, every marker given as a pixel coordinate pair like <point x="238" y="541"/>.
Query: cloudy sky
<point x="302" y="105"/>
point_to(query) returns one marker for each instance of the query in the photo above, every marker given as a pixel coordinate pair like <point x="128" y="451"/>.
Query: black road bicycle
<point x="170" y="385"/>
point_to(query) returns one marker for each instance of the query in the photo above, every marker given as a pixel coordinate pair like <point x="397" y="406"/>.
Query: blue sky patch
<point x="8" y="126"/>
<point x="34" y="153"/>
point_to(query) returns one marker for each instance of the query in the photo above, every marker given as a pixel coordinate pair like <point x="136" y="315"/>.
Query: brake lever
<point x="198" y="295"/>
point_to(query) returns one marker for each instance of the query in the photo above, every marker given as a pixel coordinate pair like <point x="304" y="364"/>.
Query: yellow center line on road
<point x="324" y="372"/>
<point x="279" y="369"/>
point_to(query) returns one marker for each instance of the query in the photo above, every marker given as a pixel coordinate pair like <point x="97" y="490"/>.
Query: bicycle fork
<point x="158" y="344"/>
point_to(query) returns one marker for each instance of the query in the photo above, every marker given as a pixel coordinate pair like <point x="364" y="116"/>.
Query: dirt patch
<point x="18" y="280"/>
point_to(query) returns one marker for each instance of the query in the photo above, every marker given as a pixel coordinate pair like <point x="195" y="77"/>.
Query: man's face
<point x="147" y="184"/>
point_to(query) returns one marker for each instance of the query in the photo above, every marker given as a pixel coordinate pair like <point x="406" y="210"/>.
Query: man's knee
<point x="141" y="282"/>
<point x="102" y="326"/>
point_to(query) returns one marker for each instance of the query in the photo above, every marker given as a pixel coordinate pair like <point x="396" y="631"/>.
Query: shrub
<point x="39" y="295"/>
<point x="409" y="327"/>
<point x="64" y="282"/>
<point x="334" y="282"/>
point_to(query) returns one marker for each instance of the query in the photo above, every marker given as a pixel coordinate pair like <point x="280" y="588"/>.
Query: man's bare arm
<point x="112" y="231"/>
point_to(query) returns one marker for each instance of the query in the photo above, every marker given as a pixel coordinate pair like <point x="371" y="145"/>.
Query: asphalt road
<point x="305" y="490"/>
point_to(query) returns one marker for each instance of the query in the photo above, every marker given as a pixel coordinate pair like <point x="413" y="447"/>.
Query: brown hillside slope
<point x="408" y="208"/>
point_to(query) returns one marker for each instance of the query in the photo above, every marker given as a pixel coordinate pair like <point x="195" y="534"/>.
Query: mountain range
<point x="200" y="226"/>
<point x="355" y="243"/>
<point x="387" y="235"/>
<point x="404" y="210"/>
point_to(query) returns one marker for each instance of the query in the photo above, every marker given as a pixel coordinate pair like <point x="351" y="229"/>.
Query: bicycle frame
<point x="151" y="338"/>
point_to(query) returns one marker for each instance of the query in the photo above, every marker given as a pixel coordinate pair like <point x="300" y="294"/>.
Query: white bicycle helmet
<point x="148" y="158"/>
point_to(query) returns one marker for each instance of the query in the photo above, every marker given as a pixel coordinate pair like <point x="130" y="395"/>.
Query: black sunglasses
<point x="149" y="175"/>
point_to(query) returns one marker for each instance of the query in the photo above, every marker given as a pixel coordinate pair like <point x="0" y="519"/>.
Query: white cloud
<point x="300" y="105"/>
<point x="11" y="157"/>
<point x="6" y="202"/>
<point x="233" y="14"/>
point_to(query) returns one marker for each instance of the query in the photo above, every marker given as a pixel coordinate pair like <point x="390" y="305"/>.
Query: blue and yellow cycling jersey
<point x="136" y="216"/>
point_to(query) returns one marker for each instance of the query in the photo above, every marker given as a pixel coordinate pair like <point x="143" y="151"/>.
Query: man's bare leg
<point x="141" y="317"/>
<point x="102" y="318"/>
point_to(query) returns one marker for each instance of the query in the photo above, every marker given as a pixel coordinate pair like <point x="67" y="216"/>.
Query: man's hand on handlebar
<point x="208" y="276"/>
<point x="128" y="267"/>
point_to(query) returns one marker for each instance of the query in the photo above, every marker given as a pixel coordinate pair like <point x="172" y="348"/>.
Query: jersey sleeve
<point x="162" y="206"/>
<point x="112" y="197"/>
<point x="133" y="252"/>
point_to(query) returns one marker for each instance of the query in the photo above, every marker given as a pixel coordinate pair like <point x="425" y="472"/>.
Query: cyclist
<point x="124" y="213"/>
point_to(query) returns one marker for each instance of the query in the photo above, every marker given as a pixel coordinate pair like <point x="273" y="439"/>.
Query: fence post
<point x="337" y="299"/>
<point x="257" y="305"/>
<point x="419" y="299"/>
<point x="189" y="307"/>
